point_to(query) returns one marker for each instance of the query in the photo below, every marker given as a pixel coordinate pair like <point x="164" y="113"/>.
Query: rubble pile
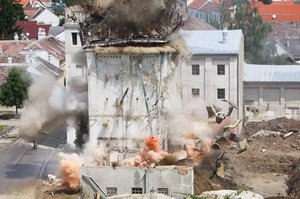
<point x="294" y="180"/>
<point x="282" y="125"/>
<point x="116" y="22"/>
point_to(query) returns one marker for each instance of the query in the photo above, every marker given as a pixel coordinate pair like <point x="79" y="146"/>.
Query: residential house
<point x="58" y="32"/>
<point x="273" y="88"/>
<point x="36" y="3"/>
<point x="209" y="11"/>
<point x="279" y="11"/>
<point x="11" y="56"/>
<point x="32" y="30"/>
<point x="45" y="55"/>
<point x="290" y="48"/>
<point x="214" y="70"/>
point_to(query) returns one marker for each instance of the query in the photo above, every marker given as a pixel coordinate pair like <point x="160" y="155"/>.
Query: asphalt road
<point x="21" y="166"/>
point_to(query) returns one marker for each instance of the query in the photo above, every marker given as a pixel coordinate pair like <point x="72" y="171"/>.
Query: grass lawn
<point x="2" y="127"/>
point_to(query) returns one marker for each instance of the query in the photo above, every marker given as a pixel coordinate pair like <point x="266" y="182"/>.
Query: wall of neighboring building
<point x="172" y="180"/>
<point x="47" y="17"/>
<point x="209" y="80"/>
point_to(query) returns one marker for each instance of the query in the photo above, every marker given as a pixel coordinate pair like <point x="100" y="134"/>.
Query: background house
<point x="273" y="88"/>
<point x="58" y="32"/>
<point x="214" y="71"/>
<point x="209" y="11"/>
<point x="32" y="30"/>
<point x="46" y="55"/>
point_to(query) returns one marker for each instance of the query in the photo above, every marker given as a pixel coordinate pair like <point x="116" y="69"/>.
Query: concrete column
<point x="260" y="95"/>
<point x="281" y="102"/>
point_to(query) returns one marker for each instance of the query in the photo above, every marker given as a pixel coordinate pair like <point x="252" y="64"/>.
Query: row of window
<point x="220" y="93"/>
<point x="220" y="69"/>
<point x="111" y="191"/>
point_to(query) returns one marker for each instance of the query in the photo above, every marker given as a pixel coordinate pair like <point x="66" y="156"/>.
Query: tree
<point x="254" y="29"/>
<point x="10" y="12"/>
<point x="13" y="91"/>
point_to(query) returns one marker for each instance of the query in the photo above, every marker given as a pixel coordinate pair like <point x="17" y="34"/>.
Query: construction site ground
<point x="270" y="166"/>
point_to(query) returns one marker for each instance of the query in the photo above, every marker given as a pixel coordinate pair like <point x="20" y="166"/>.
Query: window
<point x="221" y="69"/>
<point x="136" y="190"/>
<point x="79" y="70"/>
<point x="74" y="38"/>
<point x="163" y="191"/>
<point x="111" y="191"/>
<point x="196" y="92"/>
<point x="221" y="93"/>
<point x="195" y="70"/>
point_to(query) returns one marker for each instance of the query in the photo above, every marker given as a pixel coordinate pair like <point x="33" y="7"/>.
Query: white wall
<point x="47" y="17"/>
<point x="208" y="81"/>
<point x="109" y="77"/>
<point x="177" y="179"/>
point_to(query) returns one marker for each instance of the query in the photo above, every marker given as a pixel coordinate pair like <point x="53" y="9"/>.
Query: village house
<point x="44" y="56"/>
<point x="32" y="30"/>
<point x="209" y="11"/>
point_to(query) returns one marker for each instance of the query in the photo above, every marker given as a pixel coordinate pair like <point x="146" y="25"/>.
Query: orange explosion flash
<point x="70" y="173"/>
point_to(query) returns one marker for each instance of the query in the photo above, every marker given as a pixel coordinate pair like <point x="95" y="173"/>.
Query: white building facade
<point x="273" y="88"/>
<point x="214" y="70"/>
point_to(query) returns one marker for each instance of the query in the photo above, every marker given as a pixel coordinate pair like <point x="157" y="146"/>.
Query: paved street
<point x="20" y="165"/>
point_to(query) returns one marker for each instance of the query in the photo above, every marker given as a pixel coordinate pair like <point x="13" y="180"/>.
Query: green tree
<point x="255" y="30"/>
<point x="10" y="12"/>
<point x="13" y="91"/>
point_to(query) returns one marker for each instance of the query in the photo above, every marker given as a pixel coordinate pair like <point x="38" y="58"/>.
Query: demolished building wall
<point x="173" y="181"/>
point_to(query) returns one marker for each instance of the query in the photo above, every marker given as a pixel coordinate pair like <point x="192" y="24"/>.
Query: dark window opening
<point x="195" y="70"/>
<point x="136" y="190"/>
<point x="111" y="191"/>
<point x="163" y="191"/>
<point x="221" y="69"/>
<point x="74" y="38"/>
<point x="196" y="92"/>
<point x="221" y="93"/>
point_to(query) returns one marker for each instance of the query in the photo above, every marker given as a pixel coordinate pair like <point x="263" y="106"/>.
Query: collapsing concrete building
<point x="126" y="65"/>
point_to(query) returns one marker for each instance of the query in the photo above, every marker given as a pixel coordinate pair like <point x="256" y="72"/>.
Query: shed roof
<point x="271" y="73"/>
<point x="211" y="41"/>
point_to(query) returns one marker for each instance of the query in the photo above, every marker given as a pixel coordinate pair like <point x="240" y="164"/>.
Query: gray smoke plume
<point x="46" y="107"/>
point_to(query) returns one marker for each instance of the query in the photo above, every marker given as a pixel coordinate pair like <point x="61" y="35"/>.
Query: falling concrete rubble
<point x="123" y="22"/>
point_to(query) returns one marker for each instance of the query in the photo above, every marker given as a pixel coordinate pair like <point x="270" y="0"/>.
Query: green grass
<point x="2" y="127"/>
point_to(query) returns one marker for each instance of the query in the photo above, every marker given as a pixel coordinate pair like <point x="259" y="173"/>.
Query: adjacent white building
<point x="272" y="88"/>
<point x="214" y="71"/>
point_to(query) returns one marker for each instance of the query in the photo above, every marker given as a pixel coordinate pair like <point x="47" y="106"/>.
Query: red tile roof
<point x="32" y="28"/>
<point x="12" y="47"/>
<point x="282" y="11"/>
<point x="24" y="2"/>
<point x="29" y="12"/>
<point x="196" y="4"/>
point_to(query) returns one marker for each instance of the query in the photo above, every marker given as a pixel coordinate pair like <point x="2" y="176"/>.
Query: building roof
<point x="24" y="2"/>
<point x="56" y="30"/>
<point x="210" y="5"/>
<point x="30" y="12"/>
<point x="196" y="4"/>
<point x="194" y="24"/>
<point x="12" y="47"/>
<point x="50" y="44"/>
<point x="271" y="73"/>
<point x="55" y="70"/>
<point x="292" y="46"/>
<point x="32" y="28"/>
<point x="211" y="41"/>
<point x="279" y="11"/>
<point x="290" y="30"/>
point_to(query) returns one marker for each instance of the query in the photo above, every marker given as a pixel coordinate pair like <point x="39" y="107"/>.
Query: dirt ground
<point x="270" y="166"/>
